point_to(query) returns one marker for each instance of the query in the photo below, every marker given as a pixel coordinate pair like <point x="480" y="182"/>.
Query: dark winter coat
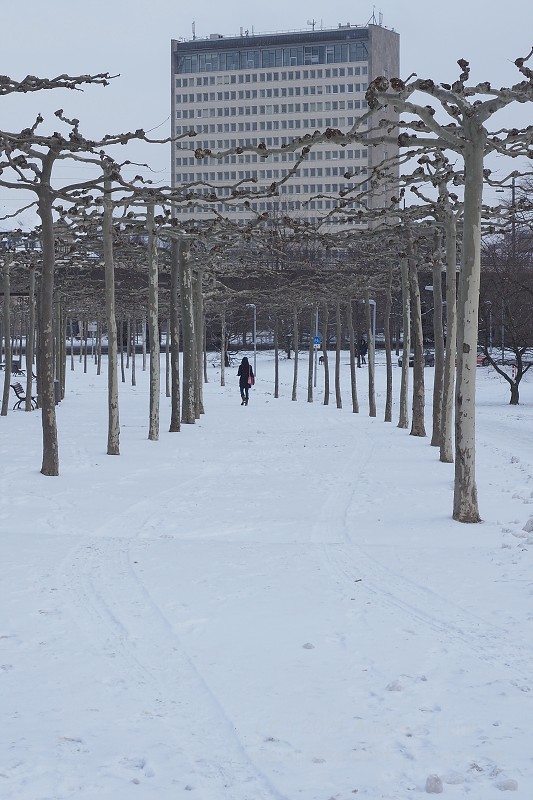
<point x="244" y="372"/>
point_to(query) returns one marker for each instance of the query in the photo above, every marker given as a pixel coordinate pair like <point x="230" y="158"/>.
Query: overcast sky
<point x="132" y="38"/>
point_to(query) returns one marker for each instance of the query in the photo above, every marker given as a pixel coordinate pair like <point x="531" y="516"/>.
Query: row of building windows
<point x="276" y="125"/>
<point x="253" y="94"/>
<point x="302" y="188"/>
<point x="267" y="174"/>
<point x="284" y="207"/>
<point x="257" y="58"/>
<point x="275" y="108"/>
<point x="252" y="158"/>
<point x="266" y="77"/>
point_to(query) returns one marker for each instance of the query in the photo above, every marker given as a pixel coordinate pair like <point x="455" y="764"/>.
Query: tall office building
<point x="273" y="88"/>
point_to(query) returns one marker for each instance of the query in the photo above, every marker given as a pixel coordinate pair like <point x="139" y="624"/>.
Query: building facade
<point x="272" y="89"/>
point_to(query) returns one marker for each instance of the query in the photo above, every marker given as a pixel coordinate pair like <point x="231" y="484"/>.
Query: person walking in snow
<point x="363" y="349"/>
<point x="246" y="377"/>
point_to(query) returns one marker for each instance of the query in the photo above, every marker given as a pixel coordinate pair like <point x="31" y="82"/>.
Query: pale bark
<point x="276" y="356"/>
<point x="419" y="398"/>
<point x="175" y="425"/>
<point x="188" y="332"/>
<point x="113" y="422"/>
<point x="8" y="258"/>
<point x="121" y="348"/>
<point x="153" y="326"/>
<point x="199" y="342"/>
<point x="98" y="348"/>
<point x="446" y="446"/>
<point x="371" y="359"/>
<point x="311" y="358"/>
<point x="71" y="345"/>
<point x="85" y="344"/>
<point x="128" y="342"/>
<point x="133" y="355"/>
<point x="338" y="329"/>
<point x="295" y="335"/>
<point x="465" y="503"/>
<point x="353" y="368"/>
<point x="167" y="361"/>
<point x="30" y="336"/>
<point x="143" y="334"/>
<point x="204" y="340"/>
<point x="325" y="319"/>
<point x="403" y="421"/>
<point x="438" y="338"/>
<point x="223" y="346"/>
<point x="50" y="462"/>
<point x="388" y="351"/>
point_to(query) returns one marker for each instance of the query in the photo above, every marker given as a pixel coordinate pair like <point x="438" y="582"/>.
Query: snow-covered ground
<point x="272" y="604"/>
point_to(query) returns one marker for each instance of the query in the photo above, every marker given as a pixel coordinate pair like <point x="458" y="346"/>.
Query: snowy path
<point x="273" y="604"/>
<point x="117" y="615"/>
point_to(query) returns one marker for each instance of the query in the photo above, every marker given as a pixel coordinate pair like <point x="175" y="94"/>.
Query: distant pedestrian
<point x="246" y="377"/>
<point x="363" y="350"/>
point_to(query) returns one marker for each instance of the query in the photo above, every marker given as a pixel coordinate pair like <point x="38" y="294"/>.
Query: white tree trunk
<point x="30" y="336"/>
<point x="174" y="324"/>
<point x="311" y="352"/>
<point x="446" y="446"/>
<point x="325" y="319"/>
<point x="8" y="258"/>
<point x="388" y="353"/>
<point x="465" y="504"/>
<point x="438" y="338"/>
<point x="338" y="328"/>
<point x="295" y="339"/>
<point x="50" y="462"/>
<point x="419" y="398"/>
<point x="188" y="332"/>
<point x="276" y="356"/>
<point x="113" y="425"/>
<point x="223" y="346"/>
<point x="199" y="341"/>
<point x="353" y="368"/>
<point x="403" y="421"/>
<point x="371" y="355"/>
<point x="153" y="326"/>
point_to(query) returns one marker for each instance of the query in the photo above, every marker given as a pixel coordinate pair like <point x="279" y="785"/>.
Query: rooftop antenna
<point x="194" y="31"/>
<point x="312" y="22"/>
<point x="372" y="20"/>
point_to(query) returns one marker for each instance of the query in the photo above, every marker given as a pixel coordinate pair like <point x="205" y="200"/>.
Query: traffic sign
<point x="317" y="340"/>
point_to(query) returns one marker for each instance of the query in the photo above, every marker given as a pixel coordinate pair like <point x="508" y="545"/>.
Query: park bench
<point x="21" y="397"/>
<point x="16" y="369"/>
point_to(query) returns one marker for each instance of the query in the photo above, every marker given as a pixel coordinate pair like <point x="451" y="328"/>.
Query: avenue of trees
<point x="119" y="256"/>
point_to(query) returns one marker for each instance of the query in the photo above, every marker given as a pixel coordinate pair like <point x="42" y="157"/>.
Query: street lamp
<point x="488" y="303"/>
<point x="372" y="304"/>
<point x="252" y="305"/>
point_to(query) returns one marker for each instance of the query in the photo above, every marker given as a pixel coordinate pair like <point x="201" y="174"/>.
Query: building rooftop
<point x="246" y="33"/>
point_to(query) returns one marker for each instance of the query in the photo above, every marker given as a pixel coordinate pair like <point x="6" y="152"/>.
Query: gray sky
<point x="133" y="38"/>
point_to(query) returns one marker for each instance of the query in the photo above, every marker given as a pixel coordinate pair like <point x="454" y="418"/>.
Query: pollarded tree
<point x="468" y="108"/>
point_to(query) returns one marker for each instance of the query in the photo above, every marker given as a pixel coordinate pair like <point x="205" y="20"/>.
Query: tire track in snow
<point x="332" y="518"/>
<point x="116" y="613"/>
<point x="451" y="622"/>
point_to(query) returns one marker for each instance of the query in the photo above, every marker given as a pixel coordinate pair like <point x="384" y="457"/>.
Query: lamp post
<point x="488" y="303"/>
<point x="503" y="332"/>
<point x="372" y="304"/>
<point x="316" y="347"/>
<point x="252" y="305"/>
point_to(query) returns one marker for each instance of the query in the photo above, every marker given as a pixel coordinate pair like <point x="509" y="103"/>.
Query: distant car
<point x="482" y="359"/>
<point x="429" y="359"/>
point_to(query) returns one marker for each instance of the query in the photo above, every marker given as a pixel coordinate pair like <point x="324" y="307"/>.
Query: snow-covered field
<point x="273" y="604"/>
